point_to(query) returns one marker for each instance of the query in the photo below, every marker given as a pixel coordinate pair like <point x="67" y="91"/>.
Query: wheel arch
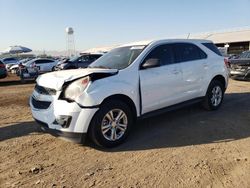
<point x="125" y="99"/>
<point x="221" y="79"/>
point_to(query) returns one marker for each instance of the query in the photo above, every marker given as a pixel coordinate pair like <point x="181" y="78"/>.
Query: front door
<point x="160" y="86"/>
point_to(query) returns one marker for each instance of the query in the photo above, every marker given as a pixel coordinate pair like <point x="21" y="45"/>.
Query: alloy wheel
<point x="114" y="124"/>
<point x="216" y="96"/>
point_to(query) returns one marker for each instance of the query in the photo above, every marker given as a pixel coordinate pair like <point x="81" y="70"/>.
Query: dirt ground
<point x="190" y="147"/>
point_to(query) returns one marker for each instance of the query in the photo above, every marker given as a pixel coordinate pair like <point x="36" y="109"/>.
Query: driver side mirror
<point x="150" y="63"/>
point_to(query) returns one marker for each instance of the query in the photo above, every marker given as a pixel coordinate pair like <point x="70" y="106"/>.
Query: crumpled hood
<point x="55" y="80"/>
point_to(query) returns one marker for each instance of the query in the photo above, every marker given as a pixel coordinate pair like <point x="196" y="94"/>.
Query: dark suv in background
<point x="76" y="62"/>
<point x="240" y="67"/>
<point x="3" y="71"/>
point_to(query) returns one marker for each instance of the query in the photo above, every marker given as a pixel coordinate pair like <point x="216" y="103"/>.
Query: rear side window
<point x="188" y="52"/>
<point x="212" y="47"/>
<point x="84" y="58"/>
<point x="43" y="61"/>
<point x="49" y="61"/>
<point x="38" y="61"/>
<point x="9" y="59"/>
<point x="164" y="53"/>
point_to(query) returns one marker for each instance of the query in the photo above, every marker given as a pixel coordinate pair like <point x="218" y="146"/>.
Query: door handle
<point x="205" y="65"/>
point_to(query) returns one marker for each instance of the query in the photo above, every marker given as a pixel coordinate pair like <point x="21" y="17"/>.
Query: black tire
<point x="95" y="129"/>
<point x="207" y="102"/>
<point x="23" y="81"/>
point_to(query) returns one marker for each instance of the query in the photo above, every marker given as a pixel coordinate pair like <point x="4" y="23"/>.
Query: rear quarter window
<point x="9" y="59"/>
<point x="43" y="61"/>
<point x="212" y="47"/>
<point x="188" y="52"/>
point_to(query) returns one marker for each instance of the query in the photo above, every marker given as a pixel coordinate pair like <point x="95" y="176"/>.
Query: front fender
<point x="101" y="89"/>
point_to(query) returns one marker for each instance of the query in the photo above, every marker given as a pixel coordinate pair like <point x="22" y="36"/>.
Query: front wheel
<point x="214" y="95"/>
<point x="111" y="124"/>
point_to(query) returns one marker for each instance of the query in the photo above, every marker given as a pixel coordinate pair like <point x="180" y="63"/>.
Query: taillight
<point x="226" y="62"/>
<point x="2" y="66"/>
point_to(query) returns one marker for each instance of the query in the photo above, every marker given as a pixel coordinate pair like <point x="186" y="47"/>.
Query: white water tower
<point x="70" y="41"/>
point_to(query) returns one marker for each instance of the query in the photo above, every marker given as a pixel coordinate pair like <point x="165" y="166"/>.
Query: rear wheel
<point x="111" y="124"/>
<point x="214" y="96"/>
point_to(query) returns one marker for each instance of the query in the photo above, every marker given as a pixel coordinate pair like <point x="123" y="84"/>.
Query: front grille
<point x="40" y="104"/>
<point x="44" y="90"/>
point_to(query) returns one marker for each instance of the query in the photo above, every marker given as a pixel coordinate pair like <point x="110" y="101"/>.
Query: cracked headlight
<point x="76" y="88"/>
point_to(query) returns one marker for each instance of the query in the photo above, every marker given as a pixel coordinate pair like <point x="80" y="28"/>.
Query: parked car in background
<point x="14" y="69"/>
<point x="3" y="71"/>
<point x="34" y="67"/>
<point x="76" y="62"/>
<point x="9" y="61"/>
<point x="132" y="81"/>
<point x="233" y="56"/>
<point x="240" y="67"/>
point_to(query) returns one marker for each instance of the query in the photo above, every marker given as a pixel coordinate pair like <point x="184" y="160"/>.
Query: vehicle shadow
<point x="185" y="127"/>
<point x="18" y="130"/>
<point x="15" y="82"/>
<point x="192" y="126"/>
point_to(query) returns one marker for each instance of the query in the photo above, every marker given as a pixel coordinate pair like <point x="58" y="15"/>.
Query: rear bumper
<point x="69" y="136"/>
<point x="242" y="75"/>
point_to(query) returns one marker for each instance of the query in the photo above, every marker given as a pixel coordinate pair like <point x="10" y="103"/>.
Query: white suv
<point x="134" y="80"/>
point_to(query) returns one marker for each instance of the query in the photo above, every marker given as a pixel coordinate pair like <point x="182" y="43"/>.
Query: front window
<point x="118" y="58"/>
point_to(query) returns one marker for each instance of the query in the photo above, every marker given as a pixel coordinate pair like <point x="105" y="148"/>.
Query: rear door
<point x="194" y="66"/>
<point x="45" y="65"/>
<point x="40" y="65"/>
<point x="160" y="86"/>
<point x="50" y="65"/>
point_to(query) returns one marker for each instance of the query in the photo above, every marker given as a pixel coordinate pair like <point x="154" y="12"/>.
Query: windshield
<point x="72" y="59"/>
<point x="118" y="58"/>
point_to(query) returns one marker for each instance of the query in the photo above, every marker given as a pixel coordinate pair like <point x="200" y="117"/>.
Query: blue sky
<point x="40" y="24"/>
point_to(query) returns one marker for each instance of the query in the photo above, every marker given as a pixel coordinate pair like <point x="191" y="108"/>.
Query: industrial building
<point x="234" y="41"/>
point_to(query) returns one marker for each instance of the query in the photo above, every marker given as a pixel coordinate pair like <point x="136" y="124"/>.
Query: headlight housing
<point x="76" y="88"/>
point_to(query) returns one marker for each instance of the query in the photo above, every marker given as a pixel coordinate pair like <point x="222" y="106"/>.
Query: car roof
<point x="147" y="42"/>
<point x="96" y="53"/>
<point x="43" y="59"/>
